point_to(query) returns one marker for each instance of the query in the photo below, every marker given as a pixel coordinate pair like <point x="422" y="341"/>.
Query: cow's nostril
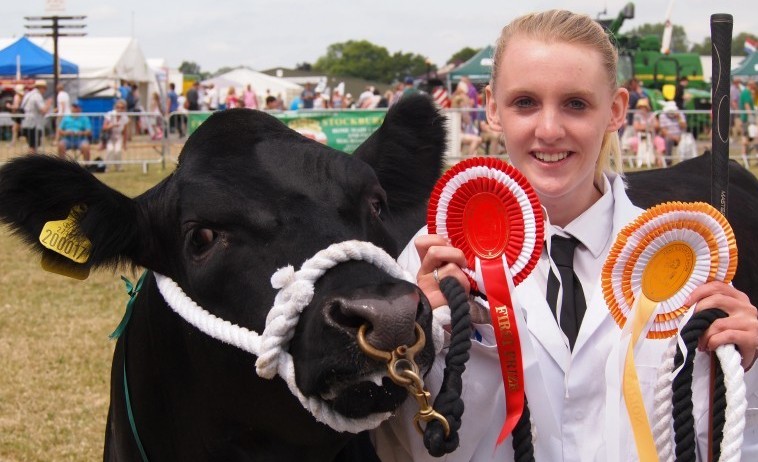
<point x="340" y="315"/>
<point x="391" y="320"/>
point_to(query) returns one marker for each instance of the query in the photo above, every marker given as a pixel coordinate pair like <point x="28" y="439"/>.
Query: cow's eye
<point x="201" y="239"/>
<point x="376" y="207"/>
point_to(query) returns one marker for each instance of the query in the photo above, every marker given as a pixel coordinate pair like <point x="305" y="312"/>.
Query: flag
<point x="750" y="45"/>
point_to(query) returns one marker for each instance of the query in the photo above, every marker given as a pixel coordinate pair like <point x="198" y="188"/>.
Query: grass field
<point x="55" y="354"/>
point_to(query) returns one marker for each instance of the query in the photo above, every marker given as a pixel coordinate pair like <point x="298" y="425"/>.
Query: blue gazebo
<point x="25" y="58"/>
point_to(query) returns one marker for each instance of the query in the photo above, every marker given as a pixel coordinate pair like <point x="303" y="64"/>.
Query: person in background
<point x="554" y="95"/>
<point x="231" y="101"/>
<point x="193" y="97"/>
<point x="307" y="96"/>
<point x="62" y="105"/>
<point x="271" y="103"/>
<point x="17" y="112"/>
<point x="74" y="132"/>
<point x="115" y="123"/>
<point x="672" y="125"/>
<point x="212" y="95"/>
<point x="646" y="130"/>
<point x="155" y="118"/>
<point x="470" y="138"/>
<point x="35" y="107"/>
<point x="172" y="106"/>
<point x="250" y="98"/>
<point x="679" y="92"/>
<point x="408" y="87"/>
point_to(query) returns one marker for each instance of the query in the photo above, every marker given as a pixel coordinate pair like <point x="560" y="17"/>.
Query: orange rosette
<point x="654" y="265"/>
<point x="665" y="254"/>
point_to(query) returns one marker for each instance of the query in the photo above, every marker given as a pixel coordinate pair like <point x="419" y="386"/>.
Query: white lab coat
<point x="567" y="397"/>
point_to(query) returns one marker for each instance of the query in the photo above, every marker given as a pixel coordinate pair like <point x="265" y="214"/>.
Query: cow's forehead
<point x="251" y="156"/>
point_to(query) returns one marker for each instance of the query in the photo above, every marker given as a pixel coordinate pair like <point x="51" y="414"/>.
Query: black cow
<point x="249" y="196"/>
<point x="689" y="181"/>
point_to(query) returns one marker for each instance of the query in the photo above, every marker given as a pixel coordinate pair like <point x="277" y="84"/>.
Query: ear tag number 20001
<point x="63" y="237"/>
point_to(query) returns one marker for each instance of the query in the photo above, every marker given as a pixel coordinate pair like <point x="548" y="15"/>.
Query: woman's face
<point x="554" y="104"/>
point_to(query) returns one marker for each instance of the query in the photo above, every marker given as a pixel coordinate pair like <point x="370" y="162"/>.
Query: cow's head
<point x="250" y="196"/>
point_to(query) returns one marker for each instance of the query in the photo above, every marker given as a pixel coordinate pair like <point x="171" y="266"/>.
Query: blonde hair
<point x="565" y="26"/>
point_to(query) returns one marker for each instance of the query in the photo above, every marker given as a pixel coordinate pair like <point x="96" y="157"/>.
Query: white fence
<point x="153" y="138"/>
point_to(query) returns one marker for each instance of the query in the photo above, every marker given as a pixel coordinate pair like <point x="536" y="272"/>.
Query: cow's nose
<point x="391" y="320"/>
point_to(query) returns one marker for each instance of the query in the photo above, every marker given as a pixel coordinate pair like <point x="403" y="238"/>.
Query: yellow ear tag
<point x="64" y="267"/>
<point x="63" y="236"/>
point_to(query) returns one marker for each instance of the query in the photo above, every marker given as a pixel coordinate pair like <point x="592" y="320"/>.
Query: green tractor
<point x="641" y="58"/>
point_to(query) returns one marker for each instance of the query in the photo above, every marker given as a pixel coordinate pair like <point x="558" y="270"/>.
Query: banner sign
<point x="341" y="130"/>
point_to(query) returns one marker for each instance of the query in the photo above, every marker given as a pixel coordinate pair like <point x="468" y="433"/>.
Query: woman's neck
<point x="563" y="210"/>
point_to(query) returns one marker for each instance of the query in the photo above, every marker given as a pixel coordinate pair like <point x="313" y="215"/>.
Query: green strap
<point x="132" y="291"/>
<point x="130" y="413"/>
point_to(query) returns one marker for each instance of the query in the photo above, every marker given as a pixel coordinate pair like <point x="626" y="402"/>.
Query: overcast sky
<point x="263" y="34"/>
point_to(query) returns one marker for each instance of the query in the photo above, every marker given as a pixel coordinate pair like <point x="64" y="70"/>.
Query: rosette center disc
<point x="485" y="225"/>
<point x="667" y="271"/>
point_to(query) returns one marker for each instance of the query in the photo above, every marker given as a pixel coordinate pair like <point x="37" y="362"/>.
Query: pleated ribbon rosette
<point x="487" y="209"/>
<point x="655" y="263"/>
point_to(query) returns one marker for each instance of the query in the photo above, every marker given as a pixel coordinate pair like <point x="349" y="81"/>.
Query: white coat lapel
<point x="541" y="322"/>
<point x="597" y="311"/>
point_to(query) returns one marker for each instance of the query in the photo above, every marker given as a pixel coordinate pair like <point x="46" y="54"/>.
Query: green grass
<point x="55" y="354"/>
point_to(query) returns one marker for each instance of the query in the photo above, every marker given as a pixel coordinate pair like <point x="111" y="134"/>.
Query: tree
<point x="678" y="35"/>
<point x="738" y="45"/>
<point x="703" y="48"/>
<point x="304" y="66"/>
<point x="463" y="55"/>
<point x="355" y="58"/>
<point x="365" y="60"/>
<point x="189" y="67"/>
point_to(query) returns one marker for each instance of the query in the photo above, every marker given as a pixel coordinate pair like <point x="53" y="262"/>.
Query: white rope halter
<point x="296" y="289"/>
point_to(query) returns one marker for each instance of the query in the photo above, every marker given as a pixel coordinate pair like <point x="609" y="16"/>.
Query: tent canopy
<point x="478" y="68"/>
<point x="748" y="67"/>
<point x="31" y="60"/>
<point x="260" y="82"/>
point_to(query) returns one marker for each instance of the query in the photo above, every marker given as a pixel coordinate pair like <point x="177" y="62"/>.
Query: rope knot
<point x="283" y="277"/>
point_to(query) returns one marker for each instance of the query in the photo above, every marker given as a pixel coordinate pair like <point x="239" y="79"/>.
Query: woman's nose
<point x="549" y="125"/>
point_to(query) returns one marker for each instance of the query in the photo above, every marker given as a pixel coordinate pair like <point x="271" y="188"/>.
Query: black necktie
<point x="573" y="305"/>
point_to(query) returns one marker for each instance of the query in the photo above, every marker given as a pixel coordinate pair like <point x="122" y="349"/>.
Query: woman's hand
<point x="739" y="328"/>
<point x="436" y="253"/>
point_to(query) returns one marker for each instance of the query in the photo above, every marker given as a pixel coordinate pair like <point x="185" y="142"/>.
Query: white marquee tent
<point x="260" y="82"/>
<point x="103" y="62"/>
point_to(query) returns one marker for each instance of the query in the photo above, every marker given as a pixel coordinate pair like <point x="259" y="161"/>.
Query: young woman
<point x="553" y="94"/>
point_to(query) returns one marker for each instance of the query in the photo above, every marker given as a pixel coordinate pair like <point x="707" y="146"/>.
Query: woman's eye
<point x="577" y="104"/>
<point x="524" y="103"/>
<point x="201" y="239"/>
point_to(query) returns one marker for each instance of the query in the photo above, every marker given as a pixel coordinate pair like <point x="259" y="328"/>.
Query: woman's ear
<point x="492" y="116"/>
<point x="619" y="107"/>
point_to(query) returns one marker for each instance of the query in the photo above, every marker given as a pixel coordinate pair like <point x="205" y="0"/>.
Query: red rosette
<point x="487" y="208"/>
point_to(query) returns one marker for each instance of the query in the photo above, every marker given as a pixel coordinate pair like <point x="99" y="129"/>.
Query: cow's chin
<point x="370" y="395"/>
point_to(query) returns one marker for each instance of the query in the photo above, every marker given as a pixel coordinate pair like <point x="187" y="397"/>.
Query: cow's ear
<point x="407" y="152"/>
<point x="51" y="202"/>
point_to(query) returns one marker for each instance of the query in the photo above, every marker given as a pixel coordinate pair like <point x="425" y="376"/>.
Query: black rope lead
<point x="684" y="422"/>
<point x="523" y="446"/>
<point x="448" y="401"/>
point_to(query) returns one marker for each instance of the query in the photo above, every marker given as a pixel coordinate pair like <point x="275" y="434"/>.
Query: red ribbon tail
<point x="508" y="342"/>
